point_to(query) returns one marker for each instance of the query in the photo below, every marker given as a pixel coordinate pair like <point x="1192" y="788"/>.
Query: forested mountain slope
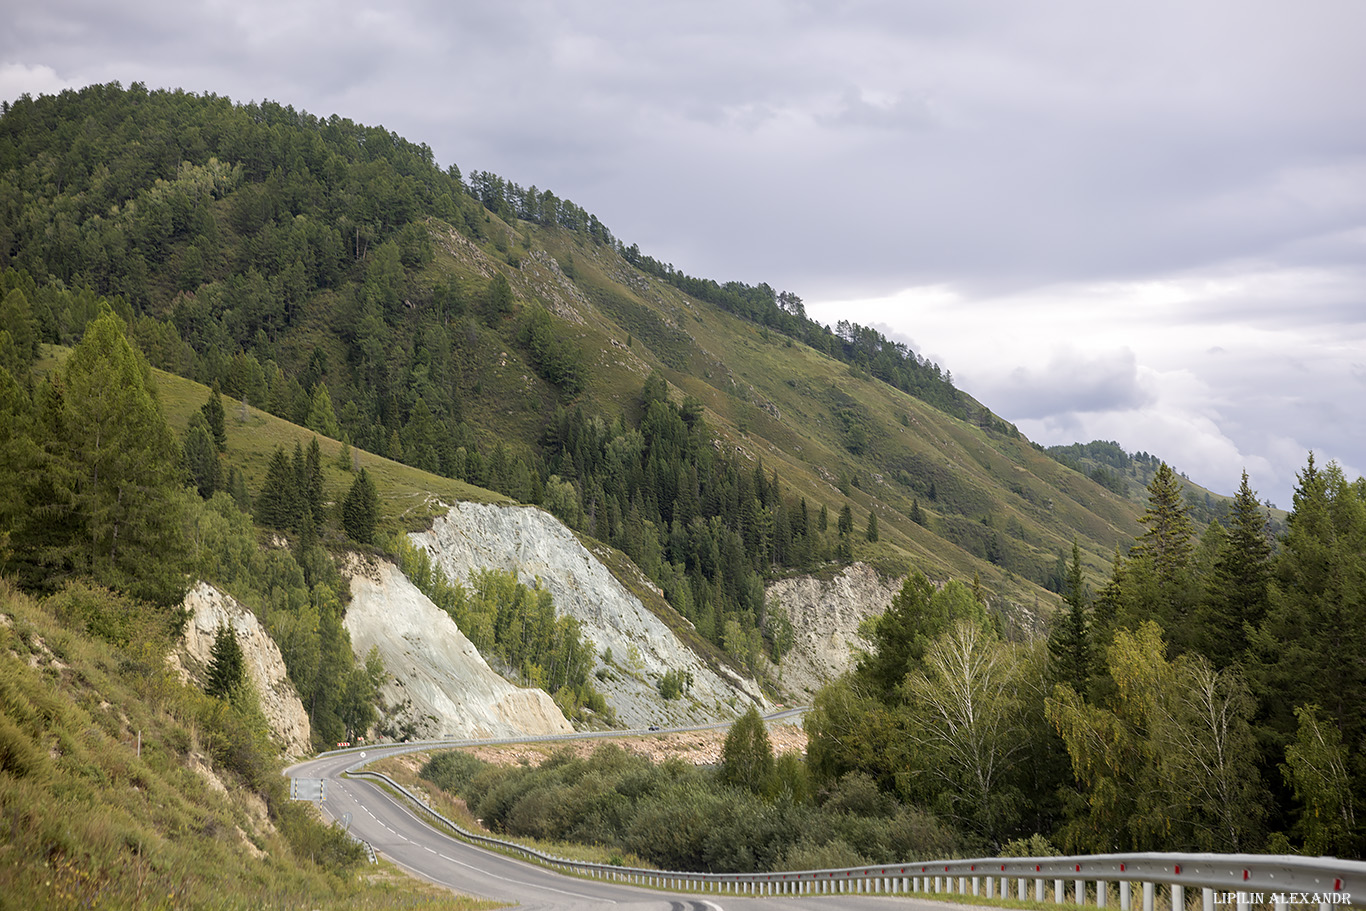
<point x="331" y="273"/>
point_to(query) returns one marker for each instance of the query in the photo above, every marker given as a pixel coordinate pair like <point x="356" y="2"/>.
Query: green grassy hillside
<point x="121" y="787"/>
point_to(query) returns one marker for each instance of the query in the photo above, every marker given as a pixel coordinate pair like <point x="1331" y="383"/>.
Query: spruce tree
<point x="279" y="505"/>
<point x="1236" y="600"/>
<point x="225" y="664"/>
<point x="201" y="458"/>
<point x="216" y="419"/>
<point x="360" y="510"/>
<point x="872" y="526"/>
<point x="1069" y="642"/>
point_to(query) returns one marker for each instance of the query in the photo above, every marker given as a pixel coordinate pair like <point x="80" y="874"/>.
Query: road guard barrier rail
<point x="1235" y="881"/>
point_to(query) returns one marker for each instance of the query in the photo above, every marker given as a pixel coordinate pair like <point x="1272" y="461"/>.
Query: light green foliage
<point x="321" y="417"/>
<point x="747" y="753"/>
<point x="1316" y="769"/>
<point x="965" y="716"/>
<point x="514" y="627"/>
<point x="678" y="817"/>
<point x="1169" y="761"/>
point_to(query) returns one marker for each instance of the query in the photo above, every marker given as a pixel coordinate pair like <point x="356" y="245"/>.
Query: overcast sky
<point x="1143" y="222"/>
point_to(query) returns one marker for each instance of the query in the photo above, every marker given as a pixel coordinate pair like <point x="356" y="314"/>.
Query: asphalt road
<point x="395" y="832"/>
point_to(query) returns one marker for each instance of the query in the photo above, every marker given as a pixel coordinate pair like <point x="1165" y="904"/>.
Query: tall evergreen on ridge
<point x="1069" y="642"/>
<point x="1236" y="598"/>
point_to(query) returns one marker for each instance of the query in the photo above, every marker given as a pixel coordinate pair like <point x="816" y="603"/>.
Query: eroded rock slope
<point x="438" y="684"/>
<point x="211" y="610"/>
<point x="536" y="545"/>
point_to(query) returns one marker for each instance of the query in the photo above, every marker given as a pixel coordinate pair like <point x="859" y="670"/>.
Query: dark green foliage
<point x="674" y="684"/>
<point x="107" y="503"/>
<point x="216" y="420"/>
<point x="225" y="664"/>
<point x="1236" y="598"/>
<point x="707" y="528"/>
<point x="679" y="817"/>
<point x="279" y="504"/>
<point x="201" y="458"/>
<point x="497" y="299"/>
<point x="360" y="509"/>
<point x="872" y="534"/>
<point x="917" y="614"/>
<point x="747" y="754"/>
<point x="298" y="597"/>
<point x="1069" y="641"/>
<point x="558" y="361"/>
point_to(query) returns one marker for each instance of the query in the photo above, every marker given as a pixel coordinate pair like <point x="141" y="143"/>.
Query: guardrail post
<point x="1242" y="901"/>
<point x="1148" y="897"/>
<point x="1207" y="899"/>
<point x="1125" y="895"/>
<point x="1178" y="896"/>
<point x="1005" y="887"/>
<point x="1038" y="890"/>
<point x="977" y="885"/>
<point x="1102" y="892"/>
<point x="1057" y="892"/>
<point x="1081" y="892"/>
<point x="1020" y="887"/>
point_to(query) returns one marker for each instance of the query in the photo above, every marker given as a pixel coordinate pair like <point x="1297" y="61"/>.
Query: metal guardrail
<point x="1234" y="880"/>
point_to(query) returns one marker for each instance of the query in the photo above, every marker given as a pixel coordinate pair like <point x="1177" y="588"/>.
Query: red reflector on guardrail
<point x="1337" y="885"/>
<point x="1178" y="869"/>
<point x="1246" y="876"/>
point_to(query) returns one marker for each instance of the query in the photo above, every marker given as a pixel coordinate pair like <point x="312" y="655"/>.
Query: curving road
<point x="394" y="831"/>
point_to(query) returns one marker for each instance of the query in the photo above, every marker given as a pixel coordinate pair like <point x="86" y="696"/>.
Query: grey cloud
<point x="1071" y="383"/>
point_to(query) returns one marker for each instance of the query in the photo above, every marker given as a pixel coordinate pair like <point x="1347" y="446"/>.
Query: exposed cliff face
<point x="438" y="682"/>
<point x="211" y="610"/>
<point x="536" y="545"/>
<point x="825" y="617"/>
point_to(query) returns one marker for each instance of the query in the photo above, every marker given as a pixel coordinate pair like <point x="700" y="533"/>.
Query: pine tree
<point x="872" y="526"/>
<point x="846" y="520"/>
<point x="360" y="510"/>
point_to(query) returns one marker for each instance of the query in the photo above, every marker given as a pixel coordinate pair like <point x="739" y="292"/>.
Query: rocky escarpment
<point x="825" y="615"/>
<point x="210" y="610"/>
<point x="437" y="684"/>
<point x="536" y="545"/>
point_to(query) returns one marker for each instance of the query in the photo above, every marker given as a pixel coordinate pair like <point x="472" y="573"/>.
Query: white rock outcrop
<point x="437" y="681"/>
<point x="211" y="610"/>
<point x="537" y="546"/>
<point x="825" y="615"/>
